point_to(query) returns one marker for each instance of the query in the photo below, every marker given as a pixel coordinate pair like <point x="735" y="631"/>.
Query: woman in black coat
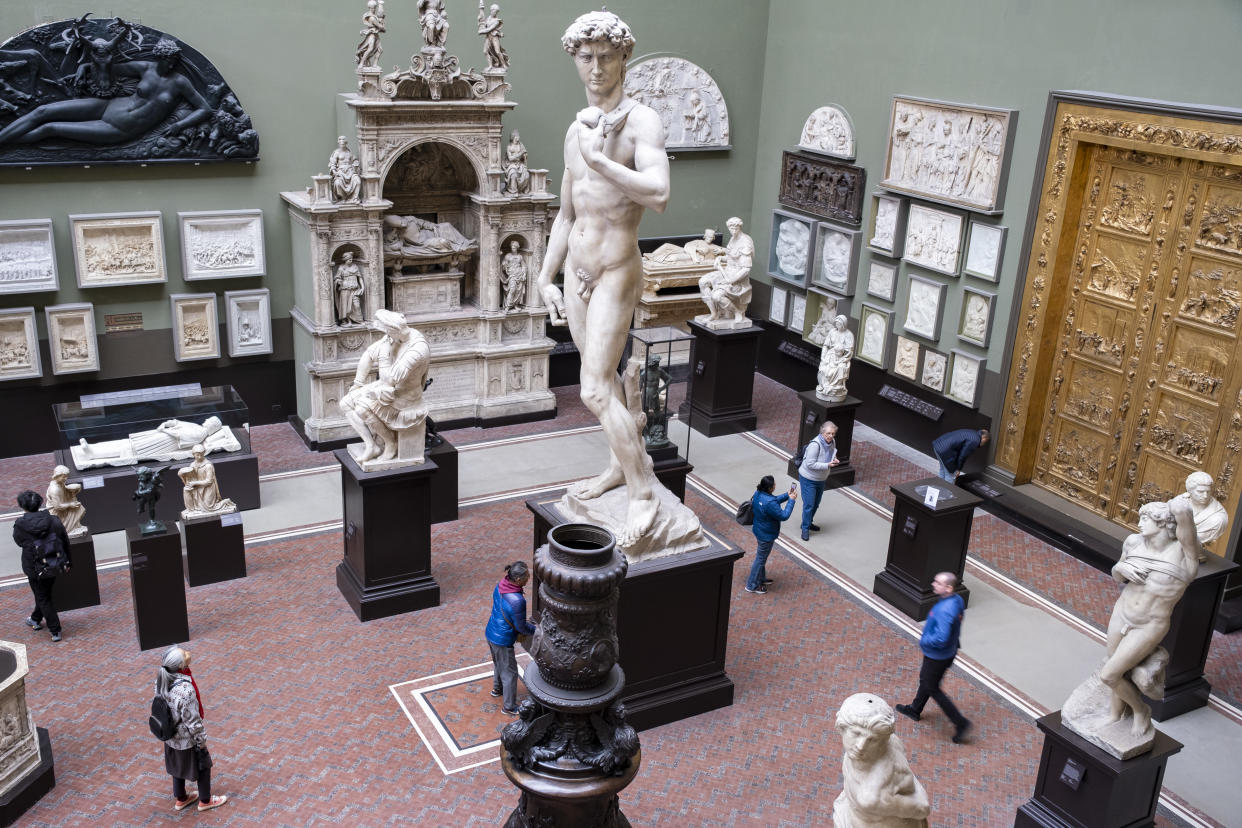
<point x="28" y="529"/>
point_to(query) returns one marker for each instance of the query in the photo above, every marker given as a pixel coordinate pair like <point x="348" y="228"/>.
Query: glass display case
<point x="666" y="356"/>
<point x="100" y="417"/>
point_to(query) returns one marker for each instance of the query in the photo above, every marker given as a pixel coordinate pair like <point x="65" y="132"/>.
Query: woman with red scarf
<point x="185" y="754"/>
<point x="507" y="622"/>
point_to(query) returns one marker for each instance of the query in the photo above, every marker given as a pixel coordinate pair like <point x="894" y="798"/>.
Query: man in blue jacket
<point x="939" y="645"/>
<point x="768" y="515"/>
<point x="504" y="625"/>
<point x="954" y="447"/>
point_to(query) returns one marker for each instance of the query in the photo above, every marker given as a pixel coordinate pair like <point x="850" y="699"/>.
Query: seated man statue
<point x="388" y="412"/>
<point x="726" y="290"/>
<point x="200" y="490"/>
<point x="62" y="501"/>
<point x="880" y="790"/>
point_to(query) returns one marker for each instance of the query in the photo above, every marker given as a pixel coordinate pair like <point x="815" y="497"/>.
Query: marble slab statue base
<point x="672" y="626"/>
<point x="214" y="552"/>
<point x="32" y="786"/>
<point x="160" y="615"/>
<point x="675" y="531"/>
<point x="410" y="452"/>
<point x="79" y="587"/>
<point x="723" y="324"/>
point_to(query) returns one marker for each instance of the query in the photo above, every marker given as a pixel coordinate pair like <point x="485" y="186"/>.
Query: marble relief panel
<point x="19" y="344"/>
<point x="196" y="327"/>
<point x="685" y="97"/>
<point x="118" y="249"/>
<point x="27" y="257"/>
<point x="71" y="338"/>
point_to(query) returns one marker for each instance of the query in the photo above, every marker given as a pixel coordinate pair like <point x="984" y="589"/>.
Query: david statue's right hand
<point x="555" y="302"/>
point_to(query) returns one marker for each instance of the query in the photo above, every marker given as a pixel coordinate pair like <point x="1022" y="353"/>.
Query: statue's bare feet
<point x="638" y="520"/>
<point x="596" y="486"/>
<point x="369" y="451"/>
<point x="1141" y="725"/>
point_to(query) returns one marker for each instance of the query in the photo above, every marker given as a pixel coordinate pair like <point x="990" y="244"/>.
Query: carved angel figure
<point x="368" y="53"/>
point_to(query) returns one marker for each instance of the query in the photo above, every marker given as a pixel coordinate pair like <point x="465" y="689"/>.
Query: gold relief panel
<point x="1161" y="480"/>
<point x="1092" y="395"/>
<point x="1102" y="332"/>
<point x="1116" y="267"/>
<point x="1213" y="293"/>
<point x="1131" y="201"/>
<point x="1197" y="362"/>
<point x="1220" y="223"/>
<point x="1078" y="456"/>
<point x="1182" y="429"/>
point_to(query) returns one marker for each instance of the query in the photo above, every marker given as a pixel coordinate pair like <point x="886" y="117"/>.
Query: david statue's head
<point x="600" y="43"/>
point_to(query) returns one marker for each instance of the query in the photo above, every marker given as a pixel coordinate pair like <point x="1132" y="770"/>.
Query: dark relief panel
<point x="829" y="189"/>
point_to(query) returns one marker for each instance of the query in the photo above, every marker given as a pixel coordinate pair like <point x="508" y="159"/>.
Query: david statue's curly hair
<point x="596" y="26"/>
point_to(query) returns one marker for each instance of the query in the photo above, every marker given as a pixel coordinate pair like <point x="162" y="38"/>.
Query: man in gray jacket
<point x="818" y="459"/>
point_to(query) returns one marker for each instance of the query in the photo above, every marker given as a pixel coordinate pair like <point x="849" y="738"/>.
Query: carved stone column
<point x="538" y="246"/>
<point x="489" y="265"/>
<point x="571" y="751"/>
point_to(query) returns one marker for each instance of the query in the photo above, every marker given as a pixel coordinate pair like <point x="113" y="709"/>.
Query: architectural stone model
<point x="222" y="245"/>
<point x="248" y="315"/>
<point x="829" y="189"/>
<point x="71" y="338"/>
<point x="367" y="55"/>
<point x="726" y="290"/>
<point x="118" y="249"/>
<point x="27" y="257"/>
<point x="19" y="344"/>
<point x="1210" y="516"/>
<point x="880" y="789"/>
<point x="834" y="362"/>
<point x="388" y="412"/>
<point x="200" y="490"/>
<point x="20" y="752"/>
<point x="829" y="130"/>
<point x="1157" y="564"/>
<point x="933" y="238"/>
<point x="171" y="440"/>
<point x="196" y="326"/>
<point x="62" y="501"/>
<point x="113" y="91"/>
<point x="685" y="97"/>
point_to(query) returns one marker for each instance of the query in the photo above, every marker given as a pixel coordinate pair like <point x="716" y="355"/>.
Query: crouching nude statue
<point x="880" y="790"/>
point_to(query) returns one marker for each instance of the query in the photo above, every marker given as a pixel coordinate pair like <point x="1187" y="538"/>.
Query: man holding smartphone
<point x="817" y="461"/>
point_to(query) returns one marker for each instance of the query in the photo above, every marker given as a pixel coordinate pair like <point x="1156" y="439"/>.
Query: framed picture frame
<point x="195" y="326"/>
<point x="886" y="230"/>
<point x="950" y="153"/>
<point x="822" y="308"/>
<point x="222" y="245"/>
<point x="19" y="344"/>
<point x="792" y="248"/>
<point x="873" y="329"/>
<point x="797" y="312"/>
<point x="778" y="306"/>
<point x="836" y="258"/>
<point x="829" y="189"/>
<point x="111" y="249"/>
<point x="965" y="378"/>
<point x="906" y="358"/>
<point x="974" y="324"/>
<point x="28" y="257"/>
<point x="882" y="280"/>
<point x="248" y="321"/>
<point x="985" y="247"/>
<point x="934" y="238"/>
<point x="924" y="307"/>
<point x="71" y="338"/>
<point x="935" y="369"/>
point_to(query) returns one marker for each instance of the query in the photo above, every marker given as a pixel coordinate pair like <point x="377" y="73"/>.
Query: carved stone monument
<point x="880" y="790"/>
<point x="62" y="501"/>
<point x="834" y="362"/>
<point x="726" y="290"/>
<point x="172" y="440"/>
<point x="26" y="769"/>
<point x="200" y="490"/>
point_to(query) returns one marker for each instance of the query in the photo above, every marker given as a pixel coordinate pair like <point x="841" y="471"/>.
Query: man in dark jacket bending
<point x="954" y="447"/>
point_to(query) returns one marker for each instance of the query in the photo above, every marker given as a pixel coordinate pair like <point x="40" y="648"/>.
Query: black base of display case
<point x="215" y="549"/>
<point x="30" y="789"/>
<point x="444" y="492"/>
<point x="672" y="472"/>
<point x="814" y="414"/>
<point x="160" y="615"/>
<point x="387" y="518"/>
<point x="723" y="385"/>
<point x="79" y="587"/>
<point x="672" y="627"/>
<point x="1081" y="786"/>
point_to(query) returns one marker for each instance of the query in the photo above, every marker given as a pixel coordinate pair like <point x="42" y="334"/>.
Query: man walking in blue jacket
<point x="939" y="645"/>
<point x="954" y="447"/>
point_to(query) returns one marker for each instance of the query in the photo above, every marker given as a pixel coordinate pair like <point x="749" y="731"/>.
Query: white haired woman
<point x="185" y="754"/>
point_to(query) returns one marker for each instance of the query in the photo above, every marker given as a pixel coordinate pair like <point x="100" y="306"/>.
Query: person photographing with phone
<point x="769" y="511"/>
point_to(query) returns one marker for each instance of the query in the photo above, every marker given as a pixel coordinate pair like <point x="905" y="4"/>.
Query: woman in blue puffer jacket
<point x="507" y="622"/>
<point x="768" y="513"/>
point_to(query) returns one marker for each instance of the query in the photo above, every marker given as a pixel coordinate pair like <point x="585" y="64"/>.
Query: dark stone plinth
<point x="814" y="412"/>
<point x="38" y="781"/>
<point x="79" y="587"/>
<point x="724" y="376"/>
<point x="593" y="803"/>
<point x="155" y="580"/>
<point x="110" y="507"/>
<point x="444" y="487"/>
<point x="672" y="624"/>
<point x="1188" y="640"/>
<point x="1229" y="617"/>
<point x="387" y="519"/>
<point x="672" y="472"/>
<point x="1109" y="792"/>
<point x="215" y="549"/>
<point x="923" y="542"/>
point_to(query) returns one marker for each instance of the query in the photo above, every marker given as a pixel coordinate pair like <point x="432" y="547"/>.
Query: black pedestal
<point x="155" y="579"/>
<point x="1189" y="639"/>
<point x="387" y="565"/>
<point x="215" y="549"/>
<point x="672" y="627"/>
<point x="1081" y="786"/>
<point x="724" y="377"/>
<point x="814" y="412"/>
<point x="923" y="542"/>
<point x="38" y="781"/>
<point x="79" y="587"/>
<point x="444" y="488"/>
<point x="671" y="470"/>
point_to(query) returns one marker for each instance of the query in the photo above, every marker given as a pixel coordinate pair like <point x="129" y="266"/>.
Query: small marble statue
<point x="62" y="501"/>
<point x="517" y="174"/>
<point x="513" y="268"/>
<point x="1210" y="516"/>
<point x="172" y="440"/>
<point x="147" y="495"/>
<point x="349" y="286"/>
<point x="200" y="490"/>
<point x="726" y="290"/>
<point x="1157" y="564"/>
<point x="346" y="172"/>
<point x="489" y="28"/>
<point x="368" y="53"/>
<point x="834" y="361"/>
<point x="388" y="412"/>
<point x="823" y="325"/>
<point x="410" y="236"/>
<point x="880" y="790"/>
<point x="433" y="20"/>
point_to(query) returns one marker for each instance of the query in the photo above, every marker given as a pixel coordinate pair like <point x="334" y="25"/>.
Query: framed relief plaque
<point x="71" y="338"/>
<point x="822" y="309"/>
<point x="934" y="238"/>
<point x="195" y="326"/>
<point x="906" y="358"/>
<point x="828" y="189"/>
<point x="27" y="257"/>
<point x="873" y="327"/>
<point x="112" y="249"/>
<point x="924" y="304"/>
<point x="797" y="312"/>
<point x="886" y="232"/>
<point x="778" y="306"/>
<point x="935" y="369"/>
<point x="222" y="245"/>
<point x="882" y="280"/>
<point x="984" y="248"/>
<point x="793" y="245"/>
<point x="248" y="320"/>
<point x="19" y="344"/>
<point x="975" y="322"/>
<point x="965" y="378"/>
<point x="836" y="258"/>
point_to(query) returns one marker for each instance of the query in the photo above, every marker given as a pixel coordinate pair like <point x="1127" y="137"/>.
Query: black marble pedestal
<point x="444" y="485"/>
<point x="1081" y="786"/>
<point x="79" y="587"/>
<point x="158" y="590"/>
<point x="30" y="789"/>
<point x="724" y="376"/>
<point x="671" y="469"/>
<point x="814" y="413"/>
<point x="923" y="542"/>
<point x="387" y="518"/>
<point x="215" y="549"/>
<point x="672" y="627"/>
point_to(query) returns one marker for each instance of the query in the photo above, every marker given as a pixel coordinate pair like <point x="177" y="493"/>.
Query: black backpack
<point x="49" y="556"/>
<point x="745" y="513"/>
<point x="163" y="725"/>
<point x="800" y="456"/>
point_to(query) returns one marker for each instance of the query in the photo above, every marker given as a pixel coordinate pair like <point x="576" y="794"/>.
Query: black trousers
<point x="42" y="589"/>
<point x="930" y="675"/>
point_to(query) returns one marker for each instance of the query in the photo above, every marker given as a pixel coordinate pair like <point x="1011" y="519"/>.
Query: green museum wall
<point x="1000" y="53"/>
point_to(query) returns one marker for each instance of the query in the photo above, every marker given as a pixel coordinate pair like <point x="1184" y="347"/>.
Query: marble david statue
<point x="615" y="168"/>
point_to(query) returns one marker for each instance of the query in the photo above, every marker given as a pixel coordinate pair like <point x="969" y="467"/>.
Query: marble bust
<point x="880" y="790"/>
<point x="200" y="490"/>
<point x="62" y="501"/>
<point x="1210" y="516"/>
